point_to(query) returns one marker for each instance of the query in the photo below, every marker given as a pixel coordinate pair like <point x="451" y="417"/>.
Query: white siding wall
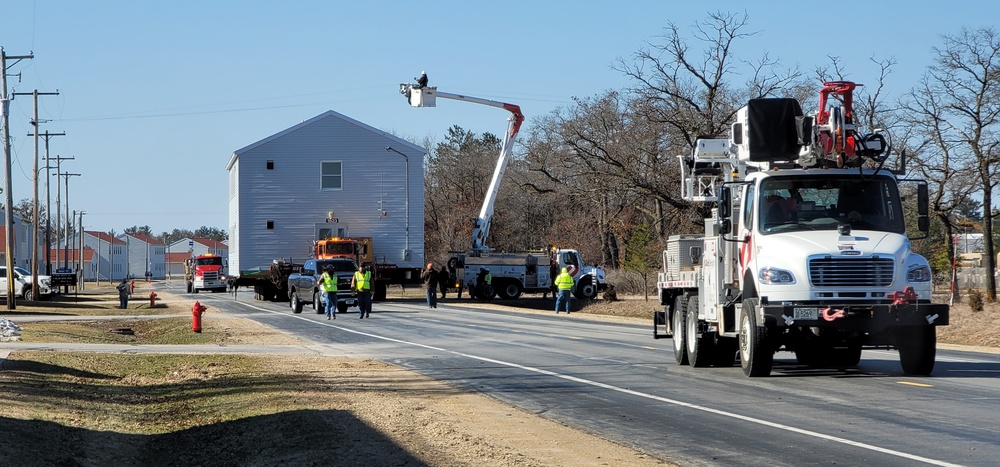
<point x="109" y="259"/>
<point x="290" y="194"/>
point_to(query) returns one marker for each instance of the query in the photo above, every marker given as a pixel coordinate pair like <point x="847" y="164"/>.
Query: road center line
<point x="609" y="387"/>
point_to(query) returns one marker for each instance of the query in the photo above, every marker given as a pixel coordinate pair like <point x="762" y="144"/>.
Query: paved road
<point x="614" y="380"/>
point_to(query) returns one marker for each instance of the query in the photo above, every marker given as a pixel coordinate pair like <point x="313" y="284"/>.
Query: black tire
<point x="509" y="290"/>
<point x="917" y="347"/>
<point x="700" y="346"/>
<point x="846" y="357"/>
<point x="296" y="303"/>
<point x="756" y="353"/>
<point x="677" y="323"/>
<point x="26" y="293"/>
<point x="342" y="308"/>
<point x="194" y="289"/>
<point x="586" y="290"/>
<point x="316" y="305"/>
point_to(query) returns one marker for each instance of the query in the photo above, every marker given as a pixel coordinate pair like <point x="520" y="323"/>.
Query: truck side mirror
<point x="725" y="203"/>
<point x="924" y="224"/>
<point x="922" y="200"/>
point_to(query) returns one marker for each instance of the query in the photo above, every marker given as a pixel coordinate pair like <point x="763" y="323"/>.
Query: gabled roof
<point x="328" y="113"/>
<point x="145" y="239"/>
<point x="178" y="257"/>
<point x="103" y="236"/>
<point x="210" y="243"/>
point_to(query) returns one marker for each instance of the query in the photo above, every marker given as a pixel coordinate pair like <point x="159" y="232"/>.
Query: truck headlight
<point x="769" y="275"/>
<point x="920" y="273"/>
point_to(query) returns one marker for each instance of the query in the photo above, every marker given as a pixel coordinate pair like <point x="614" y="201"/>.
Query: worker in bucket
<point x="564" y="283"/>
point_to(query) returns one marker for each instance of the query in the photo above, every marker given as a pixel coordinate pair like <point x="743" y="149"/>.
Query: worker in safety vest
<point x="564" y="283"/>
<point x="362" y="284"/>
<point x="328" y="282"/>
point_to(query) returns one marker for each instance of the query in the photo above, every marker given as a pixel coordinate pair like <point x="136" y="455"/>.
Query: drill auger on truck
<point x="806" y="248"/>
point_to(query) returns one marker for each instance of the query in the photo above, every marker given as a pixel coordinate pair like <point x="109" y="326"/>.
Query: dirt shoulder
<point x="100" y="409"/>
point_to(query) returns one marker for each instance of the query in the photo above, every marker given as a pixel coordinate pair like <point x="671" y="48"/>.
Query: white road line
<point x="609" y="387"/>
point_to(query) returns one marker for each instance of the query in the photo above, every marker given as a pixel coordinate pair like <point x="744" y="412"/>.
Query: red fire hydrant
<point x="152" y="299"/>
<point x="196" y="312"/>
<point x="131" y="286"/>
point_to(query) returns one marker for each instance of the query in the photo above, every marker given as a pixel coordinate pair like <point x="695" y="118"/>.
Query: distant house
<point x="109" y="261"/>
<point x="144" y="253"/>
<point x="22" y="243"/>
<point x="327" y="176"/>
<point x="181" y="250"/>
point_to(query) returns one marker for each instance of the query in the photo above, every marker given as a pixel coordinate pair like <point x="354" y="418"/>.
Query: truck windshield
<point x="213" y="261"/>
<point x="338" y="248"/>
<point x="823" y="202"/>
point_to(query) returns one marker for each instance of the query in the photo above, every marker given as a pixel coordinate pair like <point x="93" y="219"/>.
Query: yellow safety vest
<point x="329" y="283"/>
<point x="564" y="281"/>
<point x="363" y="281"/>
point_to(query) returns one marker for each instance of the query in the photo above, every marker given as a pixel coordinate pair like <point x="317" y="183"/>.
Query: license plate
<point x="805" y="313"/>
<point x="350" y="303"/>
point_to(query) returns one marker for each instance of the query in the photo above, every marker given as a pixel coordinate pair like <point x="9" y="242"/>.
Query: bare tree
<point x="958" y="104"/>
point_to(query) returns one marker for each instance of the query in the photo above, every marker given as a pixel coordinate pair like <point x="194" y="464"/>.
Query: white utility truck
<point x="805" y="250"/>
<point x="513" y="273"/>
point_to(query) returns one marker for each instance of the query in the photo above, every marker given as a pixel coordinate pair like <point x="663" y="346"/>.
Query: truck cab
<point x="303" y="287"/>
<point x="205" y="272"/>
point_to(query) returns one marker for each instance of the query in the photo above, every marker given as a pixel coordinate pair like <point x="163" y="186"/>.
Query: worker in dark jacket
<point x="430" y="278"/>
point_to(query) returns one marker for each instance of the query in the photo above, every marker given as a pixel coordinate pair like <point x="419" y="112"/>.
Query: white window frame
<point x="322" y="175"/>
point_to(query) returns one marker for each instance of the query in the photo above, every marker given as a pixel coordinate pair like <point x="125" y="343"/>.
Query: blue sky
<point x="156" y="96"/>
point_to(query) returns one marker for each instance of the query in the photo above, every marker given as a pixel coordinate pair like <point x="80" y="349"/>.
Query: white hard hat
<point x="423" y="72"/>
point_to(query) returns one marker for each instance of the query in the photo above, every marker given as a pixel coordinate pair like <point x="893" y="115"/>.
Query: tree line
<point x="602" y="175"/>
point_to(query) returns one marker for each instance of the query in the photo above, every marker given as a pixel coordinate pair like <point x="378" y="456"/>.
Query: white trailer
<point x="806" y="249"/>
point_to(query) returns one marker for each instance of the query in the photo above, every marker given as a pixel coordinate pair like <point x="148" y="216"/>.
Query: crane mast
<point x="424" y="96"/>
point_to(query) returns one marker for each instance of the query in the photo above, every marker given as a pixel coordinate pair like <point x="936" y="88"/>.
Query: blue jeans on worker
<point x="432" y="297"/>
<point x="563" y="297"/>
<point x="331" y="303"/>
<point x="364" y="302"/>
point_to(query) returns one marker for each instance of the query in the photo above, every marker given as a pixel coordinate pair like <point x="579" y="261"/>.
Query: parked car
<point x="22" y="284"/>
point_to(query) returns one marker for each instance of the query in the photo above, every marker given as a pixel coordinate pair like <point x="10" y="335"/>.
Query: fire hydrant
<point x="196" y="312"/>
<point x="152" y="299"/>
<point x="131" y="286"/>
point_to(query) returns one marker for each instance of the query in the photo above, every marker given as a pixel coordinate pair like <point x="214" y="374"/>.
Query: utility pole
<point x="8" y="196"/>
<point x="80" y="268"/>
<point x="34" y="203"/>
<point x="68" y="224"/>
<point x="48" y="202"/>
<point x="58" y="173"/>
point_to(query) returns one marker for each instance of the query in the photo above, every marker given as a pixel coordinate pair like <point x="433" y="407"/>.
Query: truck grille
<point x="851" y="272"/>
<point x="211" y="276"/>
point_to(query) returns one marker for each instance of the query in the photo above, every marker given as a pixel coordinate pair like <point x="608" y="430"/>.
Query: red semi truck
<point x="205" y="272"/>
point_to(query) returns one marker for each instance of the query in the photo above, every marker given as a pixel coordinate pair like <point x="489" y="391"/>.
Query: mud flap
<point x="660" y="319"/>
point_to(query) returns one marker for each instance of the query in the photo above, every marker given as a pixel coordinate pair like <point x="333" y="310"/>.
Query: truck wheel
<point x="678" y="327"/>
<point x="917" y="346"/>
<point x="342" y="308"/>
<point x="756" y="354"/>
<point x="296" y="303"/>
<point x="700" y="346"/>
<point x="586" y="290"/>
<point x="509" y="290"/>
<point x="316" y="304"/>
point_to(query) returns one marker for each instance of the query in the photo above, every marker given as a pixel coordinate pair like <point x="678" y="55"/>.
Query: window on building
<point x="270" y="165"/>
<point x="332" y="175"/>
<point x="270" y="224"/>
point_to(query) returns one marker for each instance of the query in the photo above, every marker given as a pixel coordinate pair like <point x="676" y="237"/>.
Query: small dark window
<point x="270" y="165"/>
<point x="270" y="224"/>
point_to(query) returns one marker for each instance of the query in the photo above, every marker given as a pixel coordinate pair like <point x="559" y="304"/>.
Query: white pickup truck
<point x="22" y="284"/>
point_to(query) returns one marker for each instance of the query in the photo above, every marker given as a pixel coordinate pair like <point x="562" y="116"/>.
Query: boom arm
<point x="425" y="97"/>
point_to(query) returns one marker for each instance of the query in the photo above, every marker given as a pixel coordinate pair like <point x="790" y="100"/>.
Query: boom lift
<point x="427" y="97"/>
<point x="512" y="273"/>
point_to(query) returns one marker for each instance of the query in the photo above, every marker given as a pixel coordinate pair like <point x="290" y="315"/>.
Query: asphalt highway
<point x="614" y="380"/>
